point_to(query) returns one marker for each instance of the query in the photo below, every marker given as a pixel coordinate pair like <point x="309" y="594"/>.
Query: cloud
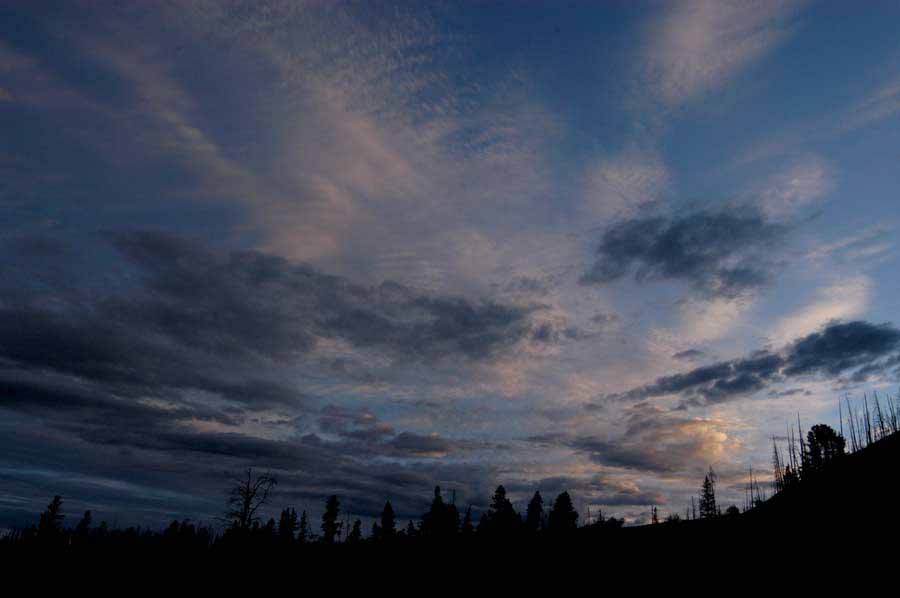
<point x="228" y="298"/>
<point x="878" y="103"/>
<point x="688" y="355"/>
<point x="620" y="185"/>
<point x="856" y="349"/>
<point x="801" y="184"/>
<point x="720" y="254"/>
<point x="871" y="244"/>
<point x="697" y="46"/>
<point x="842" y="301"/>
<point x="194" y="356"/>
<point x="659" y="442"/>
<point x="182" y="318"/>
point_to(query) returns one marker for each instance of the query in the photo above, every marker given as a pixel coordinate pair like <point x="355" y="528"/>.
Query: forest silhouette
<point x="816" y="480"/>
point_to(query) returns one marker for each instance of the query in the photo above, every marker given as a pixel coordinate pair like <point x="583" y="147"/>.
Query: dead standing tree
<point x="247" y="496"/>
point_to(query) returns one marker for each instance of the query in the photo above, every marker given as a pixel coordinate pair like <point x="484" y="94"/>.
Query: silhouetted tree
<point x="388" y="521"/>
<point x="270" y="532"/>
<point x="708" y="509"/>
<point x="534" y="514"/>
<point x="441" y="520"/>
<point x="331" y="525"/>
<point x="824" y="445"/>
<point x="789" y="477"/>
<point x="83" y="527"/>
<point x="247" y="496"/>
<point x="563" y="517"/>
<point x="355" y="535"/>
<point x="501" y="519"/>
<point x="410" y="529"/>
<point x="50" y="523"/>
<point x="732" y="511"/>
<point x="654" y="516"/>
<point x="303" y="533"/>
<point x="287" y="525"/>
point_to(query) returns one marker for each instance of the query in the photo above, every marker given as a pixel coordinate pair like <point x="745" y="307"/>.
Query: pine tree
<point x="501" y="519"/>
<point x="50" y="522"/>
<point x="84" y="524"/>
<point x="708" y="509"/>
<point x="824" y="445"/>
<point x="287" y="525"/>
<point x="534" y="515"/>
<point x="331" y="525"/>
<point x="303" y="533"/>
<point x="563" y="517"/>
<point x="386" y="527"/>
<point x="355" y="536"/>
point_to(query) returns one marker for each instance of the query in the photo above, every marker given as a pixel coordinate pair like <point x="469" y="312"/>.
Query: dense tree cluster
<point x="441" y="523"/>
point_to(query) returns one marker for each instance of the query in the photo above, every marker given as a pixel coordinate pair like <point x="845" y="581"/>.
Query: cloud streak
<point x="699" y="45"/>
<point x="857" y="350"/>
<point x="720" y="254"/>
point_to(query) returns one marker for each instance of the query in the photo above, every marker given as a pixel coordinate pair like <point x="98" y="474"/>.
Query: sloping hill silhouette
<point x="862" y="486"/>
<point x="850" y="504"/>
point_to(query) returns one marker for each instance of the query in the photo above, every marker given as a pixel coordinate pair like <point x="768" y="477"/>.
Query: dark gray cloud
<point x="858" y="350"/>
<point x="183" y="356"/>
<point x="230" y="298"/>
<point x="194" y="310"/>
<point x="718" y="253"/>
<point x="689" y="355"/>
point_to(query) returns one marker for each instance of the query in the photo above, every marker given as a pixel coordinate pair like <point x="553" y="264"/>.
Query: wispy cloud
<point x="806" y="181"/>
<point x="856" y="350"/>
<point x="619" y="185"/>
<point x="875" y="104"/>
<point x="848" y="299"/>
<point x="697" y="46"/>
<point x="873" y="243"/>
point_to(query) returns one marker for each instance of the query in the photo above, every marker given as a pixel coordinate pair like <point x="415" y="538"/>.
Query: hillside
<point x="852" y="503"/>
<point x="862" y="486"/>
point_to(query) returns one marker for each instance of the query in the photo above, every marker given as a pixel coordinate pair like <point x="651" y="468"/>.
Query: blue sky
<point x="373" y="247"/>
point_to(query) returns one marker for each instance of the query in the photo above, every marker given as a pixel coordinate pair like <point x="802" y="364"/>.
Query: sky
<point x="374" y="247"/>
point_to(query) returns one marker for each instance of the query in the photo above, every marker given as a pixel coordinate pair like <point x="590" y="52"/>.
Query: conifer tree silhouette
<point x="823" y="446"/>
<point x="355" y="535"/>
<point x="331" y="524"/>
<point x="501" y="520"/>
<point x="303" y="532"/>
<point x="388" y="521"/>
<point x="563" y="518"/>
<point x="287" y="525"/>
<point x="708" y="509"/>
<point x="534" y="514"/>
<point x="50" y="523"/>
